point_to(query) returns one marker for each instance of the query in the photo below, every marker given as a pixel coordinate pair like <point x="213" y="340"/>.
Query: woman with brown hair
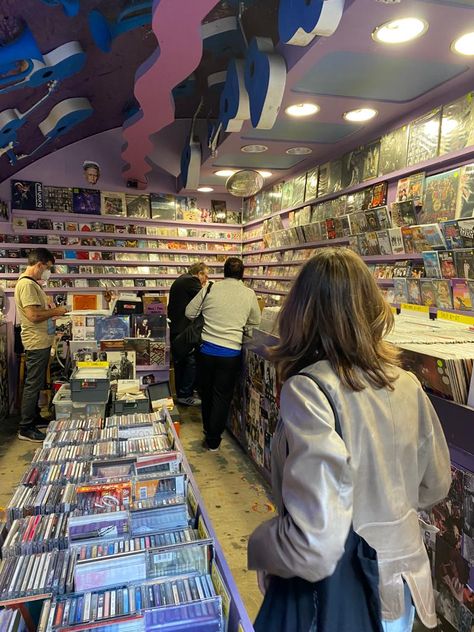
<point x="357" y="451"/>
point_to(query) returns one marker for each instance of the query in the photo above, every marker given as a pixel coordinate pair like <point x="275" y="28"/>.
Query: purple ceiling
<point x="345" y="71"/>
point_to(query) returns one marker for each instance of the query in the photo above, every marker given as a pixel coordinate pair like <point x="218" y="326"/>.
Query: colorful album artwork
<point x="86" y="201"/>
<point x="440" y="197"/>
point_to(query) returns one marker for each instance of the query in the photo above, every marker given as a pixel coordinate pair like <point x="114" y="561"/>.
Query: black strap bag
<point x="347" y="601"/>
<point x="190" y="338"/>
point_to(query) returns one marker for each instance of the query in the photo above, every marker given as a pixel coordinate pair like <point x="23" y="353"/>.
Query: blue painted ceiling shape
<point x="291" y="131"/>
<point x="258" y="161"/>
<point x="379" y="77"/>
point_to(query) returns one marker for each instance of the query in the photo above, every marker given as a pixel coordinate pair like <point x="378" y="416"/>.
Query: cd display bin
<point x="113" y="535"/>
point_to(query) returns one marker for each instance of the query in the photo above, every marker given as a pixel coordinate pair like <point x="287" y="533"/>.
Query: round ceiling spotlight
<point x="254" y="149"/>
<point x="265" y="174"/>
<point x="464" y="45"/>
<point x="205" y="189"/>
<point x="361" y="115"/>
<point x="224" y="173"/>
<point x="299" y="151"/>
<point x="400" y="31"/>
<point x="302" y="109"/>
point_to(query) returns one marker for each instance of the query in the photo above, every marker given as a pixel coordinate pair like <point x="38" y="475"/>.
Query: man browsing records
<point x="182" y="291"/>
<point x="36" y="315"/>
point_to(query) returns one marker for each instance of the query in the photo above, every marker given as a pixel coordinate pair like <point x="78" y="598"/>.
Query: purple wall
<point x="64" y="168"/>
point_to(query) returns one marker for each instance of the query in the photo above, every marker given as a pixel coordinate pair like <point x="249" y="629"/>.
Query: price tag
<point x="455" y="318"/>
<point x="92" y="365"/>
<point x="421" y="310"/>
<point x="394" y="309"/>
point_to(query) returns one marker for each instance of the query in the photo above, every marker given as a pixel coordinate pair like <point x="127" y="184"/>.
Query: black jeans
<point x="217" y="377"/>
<point x="36" y="367"/>
<point x="185" y="375"/>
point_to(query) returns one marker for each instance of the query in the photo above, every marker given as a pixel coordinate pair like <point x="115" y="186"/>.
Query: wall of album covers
<point x="110" y="239"/>
<point x="414" y="226"/>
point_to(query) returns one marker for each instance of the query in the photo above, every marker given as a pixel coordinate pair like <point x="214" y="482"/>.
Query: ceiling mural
<point x="201" y="90"/>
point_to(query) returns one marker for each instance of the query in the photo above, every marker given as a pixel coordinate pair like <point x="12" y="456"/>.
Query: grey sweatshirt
<point x="227" y="309"/>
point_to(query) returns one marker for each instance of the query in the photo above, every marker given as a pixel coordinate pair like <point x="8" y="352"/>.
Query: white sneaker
<point x="189" y="401"/>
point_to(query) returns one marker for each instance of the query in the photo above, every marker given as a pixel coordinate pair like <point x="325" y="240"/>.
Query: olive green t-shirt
<point x="33" y="335"/>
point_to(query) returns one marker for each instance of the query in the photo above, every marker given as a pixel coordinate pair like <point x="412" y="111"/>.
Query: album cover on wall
<point x="371" y="161"/>
<point x="352" y="167"/>
<point x="440" y="197"/>
<point x="431" y="264"/>
<point x="411" y="188"/>
<point x="112" y="203"/>
<point x="137" y="205"/>
<point x="58" y="199"/>
<point x="323" y="180"/>
<point x="163" y="206"/>
<point x="149" y="326"/>
<point x="403" y="213"/>
<point x="299" y="186"/>
<point x="378" y="195"/>
<point x="311" y="185"/>
<point x="457" y="125"/>
<point x="335" y="176"/>
<point x="86" y="201"/>
<point x="393" y="150"/>
<point x="287" y="194"/>
<point x="423" y="138"/>
<point x="27" y="195"/>
<point x="465" y="201"/>
<point x="443" y="294"/>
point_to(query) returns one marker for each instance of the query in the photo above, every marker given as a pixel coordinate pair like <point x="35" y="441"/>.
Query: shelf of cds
<point x="137" y="240"/>
<point x="108" y="530"/>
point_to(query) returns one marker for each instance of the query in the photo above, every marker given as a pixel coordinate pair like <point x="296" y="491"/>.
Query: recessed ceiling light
<point x="224" y="173"/>
<point x="400" y="31"/>
<point x="464" y="45"/>
<point x="265" y="174"/>
<point x="254" y="149"/>
<point x="299" y="151"/>
<point x="360" y="115"/>
<point x="205" y="189"/>
<point x="302" y="109"/>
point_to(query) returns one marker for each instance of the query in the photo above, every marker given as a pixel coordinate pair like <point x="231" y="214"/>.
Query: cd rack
<point x="119" y="525"/>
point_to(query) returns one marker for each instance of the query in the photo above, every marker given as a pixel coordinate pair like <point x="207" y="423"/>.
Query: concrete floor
<point x="235" y="495"/>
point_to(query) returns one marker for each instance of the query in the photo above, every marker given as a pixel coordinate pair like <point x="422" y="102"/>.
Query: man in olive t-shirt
<point x="37" y="335"/>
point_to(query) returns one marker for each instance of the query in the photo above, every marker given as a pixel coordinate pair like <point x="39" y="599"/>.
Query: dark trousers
<point x="36" y="367"/>
<point x="185" y="375"/>
<point x="217" y="377"/>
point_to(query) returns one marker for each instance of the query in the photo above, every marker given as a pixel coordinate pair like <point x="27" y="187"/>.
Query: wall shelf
<point x="123" y="236"/>
<point x="114" y="219"/>
<point x="434" y="165"/>
<point x="313" y="244"/>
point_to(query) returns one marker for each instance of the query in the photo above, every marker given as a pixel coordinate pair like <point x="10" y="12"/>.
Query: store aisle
<point x="15" y="456"/>
<point x="235" y="496"/>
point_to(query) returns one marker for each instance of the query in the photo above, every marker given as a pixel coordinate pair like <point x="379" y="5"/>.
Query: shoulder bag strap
<point x="337" y="423"/>
<point x="210" y="284"/>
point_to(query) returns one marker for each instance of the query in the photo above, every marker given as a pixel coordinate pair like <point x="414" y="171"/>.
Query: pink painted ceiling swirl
<point x="177" y="27"/>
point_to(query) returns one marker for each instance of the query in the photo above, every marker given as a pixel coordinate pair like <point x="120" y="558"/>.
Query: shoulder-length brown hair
<point x="335" y="311"/>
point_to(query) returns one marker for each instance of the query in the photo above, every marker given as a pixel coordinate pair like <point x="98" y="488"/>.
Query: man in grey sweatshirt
<point x="229" y="307"/>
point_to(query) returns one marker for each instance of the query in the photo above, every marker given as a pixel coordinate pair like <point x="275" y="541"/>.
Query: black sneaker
<point x="41" y="422"/>
<point x="205" y="445"/>
<point x="31" y="434"/>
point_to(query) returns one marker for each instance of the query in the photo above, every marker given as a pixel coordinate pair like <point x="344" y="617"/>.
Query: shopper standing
<point x="182" y="291"/>
<point x="390" y="459"/>
<point x="228" y="308"/>
<point x="36" y="315"/>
